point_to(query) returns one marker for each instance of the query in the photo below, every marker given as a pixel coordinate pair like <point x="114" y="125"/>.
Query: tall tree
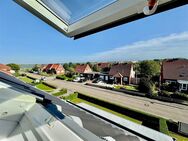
<point x="36" y="67"/>
<point x="13" y="66"/>
<point x="96" y="68"/>
<point x="150" y="68"/>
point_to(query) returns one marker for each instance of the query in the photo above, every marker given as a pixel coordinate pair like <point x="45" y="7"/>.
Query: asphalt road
<point x="176" y="112"/>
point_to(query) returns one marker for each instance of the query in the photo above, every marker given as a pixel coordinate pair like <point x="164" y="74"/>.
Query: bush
<point x="170" y="87"/>
<point x="146" y="86"/>
<point x="149" y="120"/>
<point x="179" y="95"/>
<point x="70" y="79"/>
<point x="62" y="77"/>
<point x="165" y="93"/>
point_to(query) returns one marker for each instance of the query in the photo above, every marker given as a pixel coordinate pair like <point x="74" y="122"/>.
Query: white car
<point x="77" y="79"/>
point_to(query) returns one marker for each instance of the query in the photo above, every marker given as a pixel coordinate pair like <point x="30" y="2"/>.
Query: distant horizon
<point x="100" y="61"/>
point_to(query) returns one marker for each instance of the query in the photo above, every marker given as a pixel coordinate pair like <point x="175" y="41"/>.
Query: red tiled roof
<point x="48" y="67"/>
<point x="4" y="67"/>
<point x="53" y="66"/>
<point x="103" y="65"/>
<point x="175" y="69"/>
<point x="123" y="69"/>
<point x="80" y="68"/>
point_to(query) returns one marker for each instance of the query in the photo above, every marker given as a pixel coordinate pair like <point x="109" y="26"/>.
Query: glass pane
<point x="71" y="11"/>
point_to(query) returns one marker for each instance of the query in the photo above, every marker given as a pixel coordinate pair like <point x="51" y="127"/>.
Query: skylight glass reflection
<point x="70" y="11"/>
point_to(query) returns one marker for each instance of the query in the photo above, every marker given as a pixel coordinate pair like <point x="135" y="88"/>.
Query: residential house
<point x="121" y="73"/>
<point x="54" y="69"/>
<point x="175" y="71"/>
<point x="6" y="69"/>
<point x="84" y="70"/>
<point x="42" y="67"/>
<point x="81" y="69"/>
<point x="105" y="67"/>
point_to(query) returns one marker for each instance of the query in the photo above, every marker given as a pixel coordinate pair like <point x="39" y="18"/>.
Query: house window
<point x="111" y="77"/>
<point x="106" y="78"/>
<point x="184" y="86"/>
<point x="125" y="79"/>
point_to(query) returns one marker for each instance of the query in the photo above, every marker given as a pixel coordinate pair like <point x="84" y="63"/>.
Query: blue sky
<point x="26" y="39"/>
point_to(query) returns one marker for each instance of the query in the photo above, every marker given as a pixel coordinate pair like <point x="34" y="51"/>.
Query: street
<point x="176" y="112"/>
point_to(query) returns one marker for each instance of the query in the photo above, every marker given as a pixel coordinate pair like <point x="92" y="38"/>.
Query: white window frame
<point x="121" y="9"/>
<point x="184" y="88"/>
<point x="125" y="79"/>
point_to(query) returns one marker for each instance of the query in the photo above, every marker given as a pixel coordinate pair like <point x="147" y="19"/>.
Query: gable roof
<point x="4" y="67"/>
<point x="123" y="69"/>
<point x="53" y="66"/>
<point x="80" y="68"/>
<point x="83" y="68"/>
<point x="176" y="69"/>
<point x="103" y="65"/>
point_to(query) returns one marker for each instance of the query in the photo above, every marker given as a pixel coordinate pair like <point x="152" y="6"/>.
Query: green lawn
<point x="61" y="92"/>
<point x="44" y="87"/>
<point x="78" y="100"/>
<point x="26" y="79"/>
<point x="178" y="137"/>
<point x="131" y="88"/>
<point x="127" y="87"/>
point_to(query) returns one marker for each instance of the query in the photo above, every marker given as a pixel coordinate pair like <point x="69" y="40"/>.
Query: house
<point x="54" y="69"/>
<point x="6" y="69"/>
<point x="42" y="67"/>
<point x="105" y="67"/>
<point x="175" y="71"/>
<point x="81" y="69"/>
<point x="85" y="71"/>
<point x="121" y="73"/>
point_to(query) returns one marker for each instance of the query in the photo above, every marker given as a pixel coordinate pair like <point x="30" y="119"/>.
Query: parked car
<point x="83" y="79"/>
<point x="77" y="79"/>
<point x="97" y="80"/>
<point x="43" y="78"/>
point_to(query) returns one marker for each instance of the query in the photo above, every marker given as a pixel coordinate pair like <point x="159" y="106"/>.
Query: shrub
<point x="70" y="79"/>
<point x="165" y="93"/>
<point x="146" y="86"/>
<point x="169" y="87"/>
<point x="62" y="77"/>
<point x="179" y="95"/>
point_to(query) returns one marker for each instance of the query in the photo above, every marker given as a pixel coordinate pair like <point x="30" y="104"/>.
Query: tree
<point x="14" y="67"/>
<point x="71" y="69"/>
<point x="66" y="66"/>
<point x="96" y="68"/>
<point x="36" y="67"/>
<point x="146" y="86"/>
<point x="149" y="68"/>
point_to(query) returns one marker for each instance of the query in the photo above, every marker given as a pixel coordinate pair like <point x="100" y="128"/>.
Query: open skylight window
<point x="79" y="18"/>
<point x="71" y="11"/>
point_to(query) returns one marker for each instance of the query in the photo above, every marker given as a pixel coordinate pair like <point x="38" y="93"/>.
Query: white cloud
<point x="172" y="46"/>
